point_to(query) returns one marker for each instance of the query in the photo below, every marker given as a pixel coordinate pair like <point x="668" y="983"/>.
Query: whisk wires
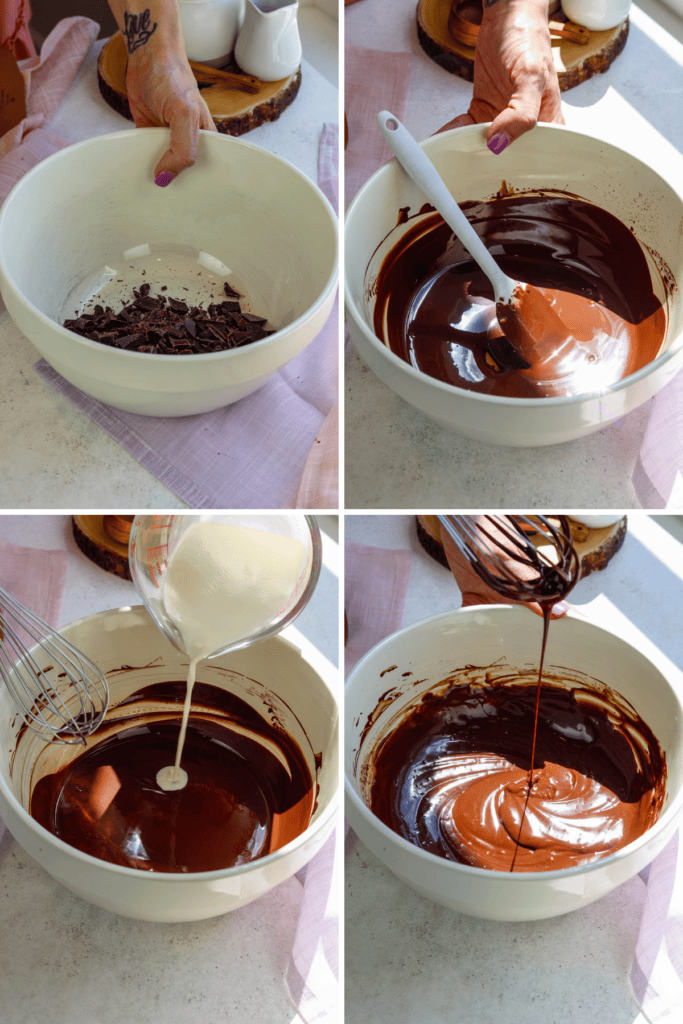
<point x="67" y="716"/>
<point x="502" y="551"/>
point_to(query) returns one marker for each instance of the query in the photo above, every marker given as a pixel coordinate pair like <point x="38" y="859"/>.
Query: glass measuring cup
<point x="153" y="539"/>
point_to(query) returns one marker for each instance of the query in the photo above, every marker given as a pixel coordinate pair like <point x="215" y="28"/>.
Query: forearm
<point x="145" y="23"/>
<point x="502" y="8"/>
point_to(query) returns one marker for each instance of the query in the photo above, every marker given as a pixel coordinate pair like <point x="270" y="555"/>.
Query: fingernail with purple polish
<point x="498" y="142"/>
<point x="164" y="178"/>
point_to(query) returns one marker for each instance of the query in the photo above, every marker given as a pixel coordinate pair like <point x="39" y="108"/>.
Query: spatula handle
<point x="419" y="167"/>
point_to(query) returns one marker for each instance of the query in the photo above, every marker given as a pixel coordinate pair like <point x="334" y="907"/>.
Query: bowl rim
<point x="318" y="663"/>
<point x="6" y="280"/>
<point x="351" y="307"/>
<point x="665" y="820"/>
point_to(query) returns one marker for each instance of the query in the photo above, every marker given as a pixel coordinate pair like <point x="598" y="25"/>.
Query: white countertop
<point x="65" y="961"/>
<point x="408" y="959"/>
<point x="64" y="460"/>
<point x="635" y="105"/>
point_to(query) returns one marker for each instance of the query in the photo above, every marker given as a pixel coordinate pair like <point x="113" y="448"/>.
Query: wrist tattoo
<point x="137" y="29"/>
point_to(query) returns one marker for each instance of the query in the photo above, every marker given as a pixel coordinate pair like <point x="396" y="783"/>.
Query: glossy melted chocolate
<point x="453" y="776"/>
<point x="249" y="790"/>
<point x="434" y="307"/>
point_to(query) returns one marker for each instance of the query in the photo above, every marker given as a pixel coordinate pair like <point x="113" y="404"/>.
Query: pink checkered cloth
<point x="47" y="79"/>
<point x="375" y="588"/>
<point x="374" y="80"/>
<point x="36" y="578"/>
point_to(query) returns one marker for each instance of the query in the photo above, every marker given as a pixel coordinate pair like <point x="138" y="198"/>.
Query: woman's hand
<point x="472" y="586"/>
<point x="162" y="91"/>
<point x="515" y="81"/>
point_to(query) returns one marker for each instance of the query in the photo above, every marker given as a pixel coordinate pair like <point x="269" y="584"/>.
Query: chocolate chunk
<point x="152" y="324"/>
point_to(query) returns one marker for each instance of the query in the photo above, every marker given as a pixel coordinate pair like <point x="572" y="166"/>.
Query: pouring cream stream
<point x="223" y="584"/>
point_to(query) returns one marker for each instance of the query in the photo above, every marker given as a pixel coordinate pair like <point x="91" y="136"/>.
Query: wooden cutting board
<point x="595" y="548"/>
<point x="234" y="112"/>
<point x="574" y="63"/>
<point x="100" y="546"/>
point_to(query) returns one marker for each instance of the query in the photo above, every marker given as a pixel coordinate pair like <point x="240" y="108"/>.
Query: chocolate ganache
<point x="434" y="307"/>
<point x="453" y="776"/>
<point x="249" y="789"/>
<point x="508" y="770"/>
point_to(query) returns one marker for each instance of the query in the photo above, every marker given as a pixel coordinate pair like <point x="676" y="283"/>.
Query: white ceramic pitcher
<point x="268" y="45"/>
<point x="210" y="29"/>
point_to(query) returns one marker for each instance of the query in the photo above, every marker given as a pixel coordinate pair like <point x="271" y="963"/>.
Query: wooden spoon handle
<point x="577" y="33"/>
<point x="244" y="83"/>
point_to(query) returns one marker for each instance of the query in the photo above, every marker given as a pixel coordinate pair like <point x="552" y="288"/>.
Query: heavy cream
<point x="224" y="584"/>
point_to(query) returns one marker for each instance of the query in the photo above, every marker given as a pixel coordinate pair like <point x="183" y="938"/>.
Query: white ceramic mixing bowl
<point x="295" y="686"/>
<point x="434" y="648"/>
<point x="91" y="216"/>
<point x="550" y="156"/>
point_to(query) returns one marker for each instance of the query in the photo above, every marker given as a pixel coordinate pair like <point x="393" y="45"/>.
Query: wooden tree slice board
<point x="574" y="63"/>
<point x="94" y="541"/>
<point x="234" y="112"/>
<point x="595" y="548"/>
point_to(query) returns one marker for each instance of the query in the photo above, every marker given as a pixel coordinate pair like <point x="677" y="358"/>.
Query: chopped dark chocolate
<point x="151" y="324"/>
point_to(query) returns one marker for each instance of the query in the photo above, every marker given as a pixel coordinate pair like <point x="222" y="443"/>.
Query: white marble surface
<point x="396" y="457"/>
<point x="64" y="460"/>
<point x="408" y="959"/>
<point x="67" y="962"/>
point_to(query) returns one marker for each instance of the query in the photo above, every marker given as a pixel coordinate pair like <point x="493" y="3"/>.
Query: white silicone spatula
<point x="515" y="321"/>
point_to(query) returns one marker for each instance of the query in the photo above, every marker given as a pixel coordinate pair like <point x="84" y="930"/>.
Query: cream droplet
<point x="171" y="778"/>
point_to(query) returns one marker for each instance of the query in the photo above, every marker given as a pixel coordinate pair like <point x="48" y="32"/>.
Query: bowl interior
<point x="90" y="222"/>
<point x="272" y="677"/>
<point x="422" y="655"/>
<point x="547" y="157"/>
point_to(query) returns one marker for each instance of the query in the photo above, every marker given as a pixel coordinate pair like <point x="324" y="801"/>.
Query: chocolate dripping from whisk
<point x="553" y="582"/>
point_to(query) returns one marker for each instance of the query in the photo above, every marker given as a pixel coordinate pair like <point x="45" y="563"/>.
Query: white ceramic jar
<point x="598" y="522"/>
<point x="210" y="29"/>
<point x="597" y="15"/>
<point x="268" y="45"/>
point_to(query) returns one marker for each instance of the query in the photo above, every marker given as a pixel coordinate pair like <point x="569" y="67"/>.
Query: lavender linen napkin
<point x="374" y="80"/>
<point x="658" y="475"/>
<point x="375" y="589"/>
<point x="248" y="455"/>
<point x="657" y="971"/>
<point x="36" y="578"/>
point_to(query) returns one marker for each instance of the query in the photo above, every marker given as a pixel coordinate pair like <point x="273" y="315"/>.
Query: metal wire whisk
<point x="67" y="716"/>
<point x="501" y="551"/>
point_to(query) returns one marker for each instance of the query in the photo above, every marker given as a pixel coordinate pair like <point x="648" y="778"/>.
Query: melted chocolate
<point x="452" y="777"/>
<point x="249" y="791"/>
<point x="434" y="307"/>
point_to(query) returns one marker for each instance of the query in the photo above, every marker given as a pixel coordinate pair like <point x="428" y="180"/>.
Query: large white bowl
<point x="78" y="212"/>
<point x="550" y="156"/>
<point x="434" y="648"/>
<point x="295" y="686"/>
